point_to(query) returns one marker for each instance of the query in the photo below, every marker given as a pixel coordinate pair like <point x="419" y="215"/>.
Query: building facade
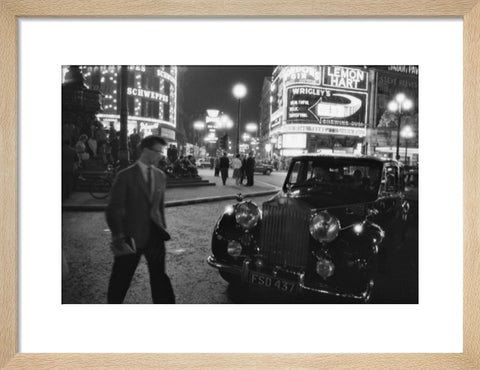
<point x="151" y="97"/>
<point x="340" y="109"/>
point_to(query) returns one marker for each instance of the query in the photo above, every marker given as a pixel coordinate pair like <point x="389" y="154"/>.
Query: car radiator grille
<point x="284" y="235"/>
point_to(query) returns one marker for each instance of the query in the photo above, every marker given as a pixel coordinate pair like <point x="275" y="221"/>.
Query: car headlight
<point x="324" y="227"/>
<point x="247" y="215"/>
<point x="234" y="248"/>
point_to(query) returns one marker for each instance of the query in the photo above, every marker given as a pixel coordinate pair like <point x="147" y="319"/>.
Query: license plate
<point x="268" y="281"/>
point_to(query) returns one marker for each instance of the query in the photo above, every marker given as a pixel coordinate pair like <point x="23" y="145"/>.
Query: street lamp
<point x="239" y="91"/>
<point x="400" y="104"/>
<point x="252" y="127"/>
<point x="198" y="126"/>
<point x="406" y="133"/>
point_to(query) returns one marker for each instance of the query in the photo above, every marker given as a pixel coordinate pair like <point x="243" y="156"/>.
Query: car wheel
<point x="230" y="278"/>
<point x="268" y="172"/>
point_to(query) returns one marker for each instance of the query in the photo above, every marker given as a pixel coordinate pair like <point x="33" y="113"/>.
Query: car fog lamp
<point x="234" y="248"/>
<point x="358" y="229"/>
<point x="324" y="268"/>
<point x="259" y="263"/>
<point x="324" y="227"/>
<point x="247" y="215"/>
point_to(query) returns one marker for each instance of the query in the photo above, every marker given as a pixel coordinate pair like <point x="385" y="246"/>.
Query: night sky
<point x="210" y="87"/>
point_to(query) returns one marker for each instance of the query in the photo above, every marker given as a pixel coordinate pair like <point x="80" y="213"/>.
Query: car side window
<point x="294" y="174"/>
<point x="390" y="181"/>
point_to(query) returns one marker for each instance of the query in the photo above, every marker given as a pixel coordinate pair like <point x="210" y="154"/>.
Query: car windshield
<point x="349" y="179"/>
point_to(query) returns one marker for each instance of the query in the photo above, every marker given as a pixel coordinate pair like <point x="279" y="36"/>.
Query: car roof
<point x="344" y="156"/>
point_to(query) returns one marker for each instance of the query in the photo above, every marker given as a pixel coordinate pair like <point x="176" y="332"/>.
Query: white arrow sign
<point x="336" y="110"/>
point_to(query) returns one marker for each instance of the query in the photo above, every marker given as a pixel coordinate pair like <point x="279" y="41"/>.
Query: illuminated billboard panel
<point x="333" y="107"/>
<point x="345" y="77"/>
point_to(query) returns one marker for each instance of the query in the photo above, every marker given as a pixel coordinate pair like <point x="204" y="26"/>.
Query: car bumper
<point x="244" y="270"/>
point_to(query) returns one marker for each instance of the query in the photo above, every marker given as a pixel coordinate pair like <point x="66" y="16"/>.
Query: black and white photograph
<point x="240" y="184"/>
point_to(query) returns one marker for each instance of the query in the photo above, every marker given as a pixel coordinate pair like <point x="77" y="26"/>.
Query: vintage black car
<point x="325" y="232"/>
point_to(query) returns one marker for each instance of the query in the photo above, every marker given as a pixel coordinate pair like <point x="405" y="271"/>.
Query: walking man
<point x="136" y="218"/>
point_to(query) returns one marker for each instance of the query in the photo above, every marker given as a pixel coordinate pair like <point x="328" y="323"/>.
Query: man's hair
<point x="149" y="141"/>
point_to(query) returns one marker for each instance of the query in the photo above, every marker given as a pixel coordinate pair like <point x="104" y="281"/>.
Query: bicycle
<point x="100" y="188"/>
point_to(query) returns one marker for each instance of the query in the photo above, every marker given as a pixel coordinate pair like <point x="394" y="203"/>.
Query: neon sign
<point x="166" y="76"/>
<point x="147" y="94"/>
<point x="345" y="77"/>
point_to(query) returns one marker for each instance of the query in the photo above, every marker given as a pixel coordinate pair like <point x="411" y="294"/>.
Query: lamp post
<point x="123" y="148"/>
<point x="239" y="91"/>
<point x="400" y="104"/>
<point x="406" y="133"/>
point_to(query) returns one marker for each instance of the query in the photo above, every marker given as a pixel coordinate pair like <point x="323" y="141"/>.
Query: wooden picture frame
<point x="11" y="9"/>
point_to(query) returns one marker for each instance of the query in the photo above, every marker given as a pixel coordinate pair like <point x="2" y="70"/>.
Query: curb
<point x="173" y="203"/>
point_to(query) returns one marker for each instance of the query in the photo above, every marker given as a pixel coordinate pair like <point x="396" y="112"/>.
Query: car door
<point x="389" y="202"/>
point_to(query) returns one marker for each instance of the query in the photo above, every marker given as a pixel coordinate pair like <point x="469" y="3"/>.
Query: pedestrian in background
<point x="80" y="148"/>
<point x="217" y="166"/>
<point x="101" y="137"/>
<point x="237" y="168"/>
<point x="243" y="169"/>
<point x="224" y="164"/>
<point x="69" y="165"/>
<point x="134" y="142"/>
<point x="114" y="147"/>
<point x="250" y="167"/>
<point x="92" y="146"/>
<point x="135" y="215"/>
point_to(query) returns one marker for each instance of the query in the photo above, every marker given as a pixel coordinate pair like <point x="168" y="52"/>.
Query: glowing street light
<point x="400" y="104"/>
<point x="252" y="127"/>
<point x="225" y="122"/>
<point x="406" y="133"/>
<point x="199" y="126"/>
<point x="239" y="91"/>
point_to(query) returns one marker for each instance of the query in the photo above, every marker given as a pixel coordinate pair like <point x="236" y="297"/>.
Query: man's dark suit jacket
<point x="250" y="164"/>
<point x="224" y="162"/>
<point x="130" y="210"/>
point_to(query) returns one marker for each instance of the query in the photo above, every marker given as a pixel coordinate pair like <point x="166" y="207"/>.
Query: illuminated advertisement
<point x="345" y="78"/>
<point x="295" y="141"/>
<point x="151" y="95"/>
<point x="276" y="94"/>
<point x="302" y="75"/>
<point x="333" y="107"/>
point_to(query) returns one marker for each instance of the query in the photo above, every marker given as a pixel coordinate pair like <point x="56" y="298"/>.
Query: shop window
<point x="166" y="112"/>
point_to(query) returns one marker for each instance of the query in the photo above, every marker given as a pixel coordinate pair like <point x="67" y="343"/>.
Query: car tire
<point x="232" y="279"/>
<point x="267" y="172"/>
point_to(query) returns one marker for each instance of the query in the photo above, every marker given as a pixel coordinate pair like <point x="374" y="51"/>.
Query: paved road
<point x="275" y="178"/>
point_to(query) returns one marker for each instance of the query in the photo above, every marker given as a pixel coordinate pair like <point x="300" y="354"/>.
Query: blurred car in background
<point x="264" y="168"/>
<point x="203" y="163"/>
